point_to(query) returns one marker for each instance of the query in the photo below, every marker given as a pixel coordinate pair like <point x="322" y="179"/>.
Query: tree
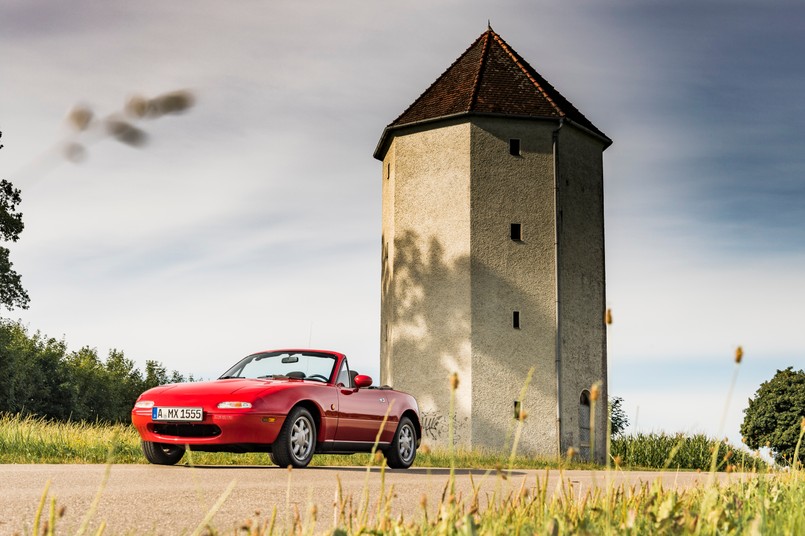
<point x="774" y="416"/>
<point x="39" y="377"/>
<point x="11" y="292"/>
<point x="124" y="385"/>
<point x="90" y="390"/>
<point x="155" y="374"/>
<point x="32" y="375"/>
<point x="617" y="416"/>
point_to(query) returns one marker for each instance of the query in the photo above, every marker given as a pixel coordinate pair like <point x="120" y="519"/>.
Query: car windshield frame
<point x="295" y="364"/>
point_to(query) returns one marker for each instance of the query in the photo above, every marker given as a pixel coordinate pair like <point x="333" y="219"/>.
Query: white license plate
<point x="165" y="413"/>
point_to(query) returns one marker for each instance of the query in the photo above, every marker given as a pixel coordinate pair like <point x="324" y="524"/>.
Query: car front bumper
<point x="216" y="428"/>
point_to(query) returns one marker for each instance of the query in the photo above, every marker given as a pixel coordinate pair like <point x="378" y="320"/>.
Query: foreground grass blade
<point x="205" y="523"/>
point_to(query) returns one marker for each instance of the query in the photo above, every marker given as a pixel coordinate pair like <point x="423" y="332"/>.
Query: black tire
<point x="161" y="453"/>
<point x="402" y="451"/>
<point x="296" y="441"/>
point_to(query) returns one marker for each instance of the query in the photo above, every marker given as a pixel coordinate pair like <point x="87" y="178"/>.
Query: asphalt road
<point x="149" y="499"/>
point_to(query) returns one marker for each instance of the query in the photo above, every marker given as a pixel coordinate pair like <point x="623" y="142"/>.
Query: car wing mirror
<point x="362" y="380"/>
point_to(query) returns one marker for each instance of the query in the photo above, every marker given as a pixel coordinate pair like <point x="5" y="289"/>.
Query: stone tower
<point x="493" y="257"/>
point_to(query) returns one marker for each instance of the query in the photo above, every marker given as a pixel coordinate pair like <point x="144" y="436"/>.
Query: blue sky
<point x="254" y="220"/>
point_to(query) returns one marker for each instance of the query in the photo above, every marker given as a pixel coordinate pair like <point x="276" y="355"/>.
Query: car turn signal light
<point x="234" y="405"/>
<point x="144" y="404"/>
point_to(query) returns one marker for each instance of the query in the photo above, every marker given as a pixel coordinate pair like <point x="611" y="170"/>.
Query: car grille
<point x="187" y="430"/>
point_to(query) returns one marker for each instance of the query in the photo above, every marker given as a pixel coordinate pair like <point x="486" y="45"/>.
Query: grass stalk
<point x="521" y="417"/>
<point x="288" y="498"/>
<point x="796" y="464"/>
<point x="205" y="523"/>
<point x="714" y="461"/>
<point x="38" y="514"/>
<point x="450" y="429"/>
<point x="97" y="499"/>
<point x="595" y="394"/>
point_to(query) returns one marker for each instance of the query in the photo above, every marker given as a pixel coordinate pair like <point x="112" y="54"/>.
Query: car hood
<point x="240" y="386"/>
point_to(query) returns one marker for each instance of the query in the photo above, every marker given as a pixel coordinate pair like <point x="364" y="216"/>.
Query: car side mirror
<point x="362" y="380"/>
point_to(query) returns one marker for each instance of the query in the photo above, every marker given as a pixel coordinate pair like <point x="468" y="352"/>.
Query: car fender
<point x="320" y="399"/>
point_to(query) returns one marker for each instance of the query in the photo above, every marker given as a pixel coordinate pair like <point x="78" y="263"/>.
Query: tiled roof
<point x="490" y="77"/>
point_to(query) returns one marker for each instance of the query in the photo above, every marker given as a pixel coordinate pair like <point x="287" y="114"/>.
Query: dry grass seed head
<point x="80" y="117"/>
<point x="174" y="102"/>
<point x="75" y="152"/>
<point x="126" y="133"/>
<point x="454" y="381"/>
<point x="136" y="106"/>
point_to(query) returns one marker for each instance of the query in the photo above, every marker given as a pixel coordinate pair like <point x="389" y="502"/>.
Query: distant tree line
<point x="39" y="376"/>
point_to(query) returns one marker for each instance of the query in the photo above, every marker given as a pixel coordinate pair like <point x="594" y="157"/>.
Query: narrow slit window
<point x="514" y="146"/>
<point x="516" y="319"/>
<point x="516" y="232"/>
<point x="584" y="424"/>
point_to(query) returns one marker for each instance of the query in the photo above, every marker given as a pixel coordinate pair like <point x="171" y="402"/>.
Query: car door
<point x="360" y="413"/>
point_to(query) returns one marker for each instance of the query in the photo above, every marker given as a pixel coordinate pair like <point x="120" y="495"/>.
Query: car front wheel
<point x="162" y="454"/>
<point x="296" y="441"/>
<point x="402" y="451"/>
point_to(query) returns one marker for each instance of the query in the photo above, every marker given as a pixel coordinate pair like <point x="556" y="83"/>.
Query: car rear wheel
<point x="296" y="441"/>
<point x="162" y="454"/>
<point x="402" y="451"/>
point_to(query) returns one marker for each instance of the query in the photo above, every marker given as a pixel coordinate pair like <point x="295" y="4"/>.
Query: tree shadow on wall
<point x="430" y="330"/>
<point x="430" y="298"/>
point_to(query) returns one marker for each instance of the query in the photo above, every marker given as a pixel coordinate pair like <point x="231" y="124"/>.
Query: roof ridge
<point x="514" y="56"/>
<point x="476" y="85"/>
<point x="441" y="76"/>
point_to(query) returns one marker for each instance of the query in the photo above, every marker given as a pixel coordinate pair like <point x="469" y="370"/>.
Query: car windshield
<point x="301" y="365"/>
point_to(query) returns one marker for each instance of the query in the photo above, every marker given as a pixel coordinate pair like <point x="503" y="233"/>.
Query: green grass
<point x="35" y="440"/>
<point x="762" y="505"/>
<point x="26" y="439"/>
<point x="766" y="503"/>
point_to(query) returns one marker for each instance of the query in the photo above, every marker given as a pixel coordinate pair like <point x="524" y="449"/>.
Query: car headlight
<point x="144" y="404"/>
<point x="234" y="405"/>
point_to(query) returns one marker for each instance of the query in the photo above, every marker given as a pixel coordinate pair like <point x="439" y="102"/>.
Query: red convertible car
<point x="289" y="403"/>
